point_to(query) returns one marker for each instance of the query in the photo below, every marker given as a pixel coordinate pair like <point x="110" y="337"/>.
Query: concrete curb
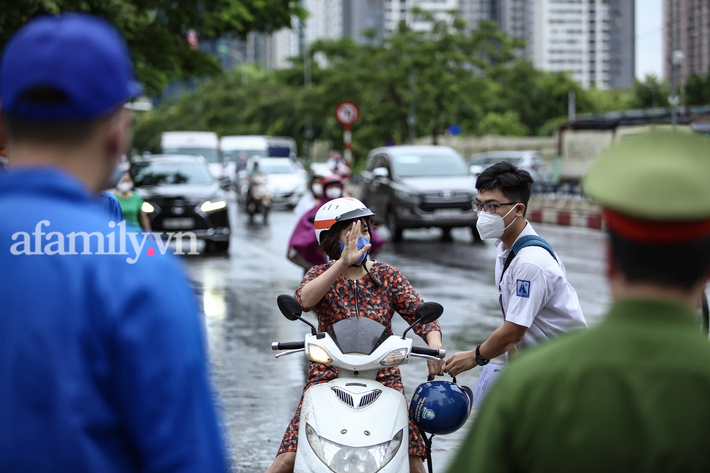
<point x="566" y="218"/>
<point x="570" y="211"/>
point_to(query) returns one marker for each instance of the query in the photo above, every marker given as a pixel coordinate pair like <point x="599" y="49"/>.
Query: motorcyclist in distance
<point x="253" y="177"/>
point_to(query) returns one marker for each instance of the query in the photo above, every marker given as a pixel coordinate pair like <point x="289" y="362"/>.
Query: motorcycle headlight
<point x="395" y="357"/>
<point x="147" y="208"/>
<point x="343" y="459"/>
<point x="212" y="206"/>
<point x="318" y="354"/>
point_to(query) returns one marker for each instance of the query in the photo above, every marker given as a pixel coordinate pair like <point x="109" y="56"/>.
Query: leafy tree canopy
<point x="453" y="75"/>
<point x="156" y="30"/>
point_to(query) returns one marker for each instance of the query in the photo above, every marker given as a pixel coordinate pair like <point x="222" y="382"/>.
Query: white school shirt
<point x="535" y="293"/>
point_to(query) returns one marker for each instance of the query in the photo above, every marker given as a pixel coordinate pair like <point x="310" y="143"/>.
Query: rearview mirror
<point x="381" y="172"/>
<point x="289" y="307"/>
<point x="428" y="312"/>
<point x="225" y="184"/>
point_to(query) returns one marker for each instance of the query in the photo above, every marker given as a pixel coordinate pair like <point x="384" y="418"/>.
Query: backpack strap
<point x="524" y="242"/>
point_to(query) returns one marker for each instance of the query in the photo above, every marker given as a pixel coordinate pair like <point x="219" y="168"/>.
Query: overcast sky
<point x="649" y="38"/>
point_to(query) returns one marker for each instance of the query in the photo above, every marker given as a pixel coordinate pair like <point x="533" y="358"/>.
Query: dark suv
<point x="419" y="187"/>
<point x="181" y="195"/>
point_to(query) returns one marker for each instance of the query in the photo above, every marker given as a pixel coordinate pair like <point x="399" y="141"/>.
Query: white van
<point x="201" y="143"/>
<point x="263" y="146"/>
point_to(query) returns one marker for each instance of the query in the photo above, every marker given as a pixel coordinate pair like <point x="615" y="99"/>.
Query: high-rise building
<point x="363" y="15"/>
<point x="591" y="39"/>
<point x="622" y="44"/>
<point x="401" y="10"/>
<point x="686" y="27"/>
<point x="328" y="20"/>
<point x="515" y="17"/>
<point x="283" y="45"/>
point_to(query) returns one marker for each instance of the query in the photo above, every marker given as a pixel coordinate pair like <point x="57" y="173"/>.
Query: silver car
<point x="530" y="161"/>
<point x="419" y="187"/>
<point x="285" y="181"/>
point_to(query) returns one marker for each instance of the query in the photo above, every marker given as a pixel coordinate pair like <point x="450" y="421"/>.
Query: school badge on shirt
<point x="522" y="288"/>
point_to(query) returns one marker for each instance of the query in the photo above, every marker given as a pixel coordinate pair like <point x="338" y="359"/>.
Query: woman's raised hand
<point x="351" y="254"/>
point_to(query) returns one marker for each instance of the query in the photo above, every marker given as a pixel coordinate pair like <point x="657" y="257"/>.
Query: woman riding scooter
<point x="349" y="286"/>
<point x="303" y="248"/>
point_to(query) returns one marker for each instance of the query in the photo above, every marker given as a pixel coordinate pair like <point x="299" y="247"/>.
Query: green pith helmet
<point x="661" y="175"/>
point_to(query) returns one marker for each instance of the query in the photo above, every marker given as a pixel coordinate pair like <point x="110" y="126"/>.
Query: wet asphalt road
<point x="258" y="394"/>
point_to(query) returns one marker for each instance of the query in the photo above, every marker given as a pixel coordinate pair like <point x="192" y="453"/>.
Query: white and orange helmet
<point x="339" y="210"/>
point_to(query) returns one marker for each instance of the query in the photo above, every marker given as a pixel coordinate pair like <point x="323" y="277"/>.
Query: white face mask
<point x="124" y="186"/>
<point x="492" y="226"/>
<point x="334" y="192"/>
<point x="317" y="189"/>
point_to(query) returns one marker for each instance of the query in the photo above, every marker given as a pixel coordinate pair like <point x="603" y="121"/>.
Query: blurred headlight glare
<point x="212" y="206"/>
<point x="147" y="208"/>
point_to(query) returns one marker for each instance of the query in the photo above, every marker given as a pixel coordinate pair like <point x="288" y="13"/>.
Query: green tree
<point x="697" y="90"/>
<point x="452" y="62"/>
<point x="536" y="96"/>
<point x="651" y="93"/>
<point x="504" y="124"/>
<point x="466" y="77"/>
<point x="156" y="30"/>
<point x="599" y="101"/>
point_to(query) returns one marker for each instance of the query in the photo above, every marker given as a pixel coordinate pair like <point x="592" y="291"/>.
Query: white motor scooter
<point x="354" y="423"/>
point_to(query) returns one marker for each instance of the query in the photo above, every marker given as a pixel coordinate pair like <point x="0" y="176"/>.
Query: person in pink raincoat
<point x="303" y="249"/>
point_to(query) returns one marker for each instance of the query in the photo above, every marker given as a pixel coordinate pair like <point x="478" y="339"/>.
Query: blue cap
<point x="78" y="55"/>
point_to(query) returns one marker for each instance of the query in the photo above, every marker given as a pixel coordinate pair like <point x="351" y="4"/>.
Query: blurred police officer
<point x="630" y="394"/>
<point x="102" y="362"/>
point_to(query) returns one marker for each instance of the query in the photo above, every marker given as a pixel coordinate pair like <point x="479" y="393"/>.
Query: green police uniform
<point x="631" y="394"/>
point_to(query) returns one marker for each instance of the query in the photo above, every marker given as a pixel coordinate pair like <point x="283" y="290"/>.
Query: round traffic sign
<point x="347" y="113"/>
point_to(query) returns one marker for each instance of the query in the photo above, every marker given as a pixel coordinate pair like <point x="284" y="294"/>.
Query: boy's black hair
<point x="515" y="184"/>
<point x="678" y="265"/>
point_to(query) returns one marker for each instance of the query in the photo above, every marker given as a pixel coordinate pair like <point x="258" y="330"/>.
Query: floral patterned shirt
<point x="377" y="296"/>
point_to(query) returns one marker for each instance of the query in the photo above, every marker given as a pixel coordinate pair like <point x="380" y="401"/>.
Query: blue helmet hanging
<point x="440" y="407"/>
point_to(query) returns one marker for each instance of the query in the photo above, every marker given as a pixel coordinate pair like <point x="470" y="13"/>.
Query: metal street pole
<point x="234" y="54"/>
<point x="196" y="111"/>
<point x="674" y="66"/>
<point x="412" y="118"/>
<point x="308" y="134"/>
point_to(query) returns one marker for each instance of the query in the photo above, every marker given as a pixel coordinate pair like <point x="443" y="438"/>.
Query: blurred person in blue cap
<point x="109" y="204"/>
<point x="102" y="362"/>
<point x="630" y="394"/>
<point x="3" y="158"/>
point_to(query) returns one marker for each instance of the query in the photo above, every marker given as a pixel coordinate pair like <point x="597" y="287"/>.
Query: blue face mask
<point x="361" y="242"/>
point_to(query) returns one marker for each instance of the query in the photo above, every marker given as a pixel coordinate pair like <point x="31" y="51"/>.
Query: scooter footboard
<point x="350" y="421"/>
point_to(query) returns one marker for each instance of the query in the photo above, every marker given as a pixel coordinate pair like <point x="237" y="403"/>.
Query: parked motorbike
<point x="354" y="423"/>
<point x="258" y="199"/>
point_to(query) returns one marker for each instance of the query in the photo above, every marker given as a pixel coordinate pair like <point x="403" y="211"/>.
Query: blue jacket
<point x="109" y="204"/>
<point x="102" y="362"/>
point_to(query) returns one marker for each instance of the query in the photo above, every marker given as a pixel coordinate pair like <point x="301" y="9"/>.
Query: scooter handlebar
<point x="288" y="345"/>
<point x="429" y="351"/>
